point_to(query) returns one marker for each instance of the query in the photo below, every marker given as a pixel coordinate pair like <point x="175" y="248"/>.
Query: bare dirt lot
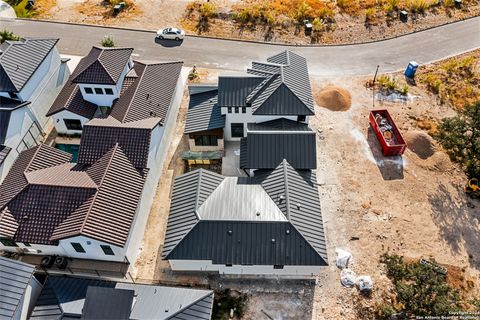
<point x="340" y="27"/>
<point x="413" y="206"/>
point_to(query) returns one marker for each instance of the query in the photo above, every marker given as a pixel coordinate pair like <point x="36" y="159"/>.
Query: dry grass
<point x="43" y="7"/>
<point x="455" y="81"/>
<point x="103" y="11"/>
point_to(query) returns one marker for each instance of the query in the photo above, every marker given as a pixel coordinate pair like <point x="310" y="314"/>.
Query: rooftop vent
<point x="273" y="240"/>
<point x="299" y="206"/>
<point x="258" y="213"/>
<point x="281" y="197"/>
<point x="230" y="232"/>
<point x="287" y="231"/>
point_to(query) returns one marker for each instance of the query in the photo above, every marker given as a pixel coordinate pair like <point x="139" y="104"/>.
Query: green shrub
<point x="208" y="10"/>
<point x="387" y="82"/>
<point x="420" y="289"/>
<point x="404" y="90"/>
<point x="391" y="5"/>
<point x="6" y="35"/>
<point x="107" y="42"/>
<point x="385" y="311"/>
<point x="370" y="14"/>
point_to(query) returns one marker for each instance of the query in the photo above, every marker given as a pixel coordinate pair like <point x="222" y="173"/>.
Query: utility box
<point x="30" y="4"/>
<point x="458" y="4"/>
<point x="411" y="69"/>
<point x="403" y="16"/>
<point x="308" y="27"/>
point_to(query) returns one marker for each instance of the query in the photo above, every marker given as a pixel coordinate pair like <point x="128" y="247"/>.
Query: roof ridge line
<point x="287" y="200"/>
<point x="308" y="242"/>
<point x="178" y="243"/>
<point x="191" y="304"/>
<point x="98" y="188"/>
<point x="303" y="103"/>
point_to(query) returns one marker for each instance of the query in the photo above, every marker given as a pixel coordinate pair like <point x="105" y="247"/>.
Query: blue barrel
<point x="411" y="69"/>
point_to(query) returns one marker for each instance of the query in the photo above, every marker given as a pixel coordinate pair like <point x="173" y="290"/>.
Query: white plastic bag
<point x="343" y="257"/>
<point x="347" y="278"/>
<point x="364" y="283"/>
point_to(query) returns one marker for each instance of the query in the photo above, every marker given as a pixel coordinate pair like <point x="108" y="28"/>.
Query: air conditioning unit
<point x="61" y="262"/>
<point x="47" y="261"/>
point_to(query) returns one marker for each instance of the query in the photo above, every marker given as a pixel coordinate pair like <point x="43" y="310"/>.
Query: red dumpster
<point x="387" y="133"/>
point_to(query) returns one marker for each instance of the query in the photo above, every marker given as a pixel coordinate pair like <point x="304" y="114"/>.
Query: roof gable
<point x="233" y="90"/>
<point x="21" y="59"/>
<point x="204" y="112"/>
<point x="282" y="101"/>
<point x="71" y="99"/>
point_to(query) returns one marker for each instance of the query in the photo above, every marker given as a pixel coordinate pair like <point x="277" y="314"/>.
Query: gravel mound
<point x="334" y="98"/>
<point x="420" y="143"/>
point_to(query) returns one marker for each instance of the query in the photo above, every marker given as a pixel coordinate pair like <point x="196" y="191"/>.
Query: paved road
<point x="361" y="59"/>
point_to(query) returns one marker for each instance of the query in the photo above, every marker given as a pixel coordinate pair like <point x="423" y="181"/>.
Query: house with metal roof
<point x="276" y="94"/>
<point x="269" y="224"/>
<point x="32" y="73"/>
<point x="69" y="297"/>
<point x="96" y="208"/>
<point x="20" y="288"/>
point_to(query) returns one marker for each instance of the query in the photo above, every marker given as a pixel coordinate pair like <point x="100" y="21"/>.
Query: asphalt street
<point x="362" y="59"/>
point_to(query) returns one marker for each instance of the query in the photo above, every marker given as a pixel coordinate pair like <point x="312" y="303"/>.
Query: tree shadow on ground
<point x="457" y="217"/>
<point x="390" y="167"/>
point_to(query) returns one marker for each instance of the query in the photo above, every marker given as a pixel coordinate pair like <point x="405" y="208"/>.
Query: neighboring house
<point x="270" y="224"/>
<point x="96" y="208"/>
<point x="31" y="76"/>
<point x="19" y="289"/>
<point x="277" y="94"/>
<point x="68" y="297"/>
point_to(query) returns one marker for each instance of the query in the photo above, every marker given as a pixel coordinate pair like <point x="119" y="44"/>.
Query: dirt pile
<point x="420" y="143"/>
<point x="334" y="98"/>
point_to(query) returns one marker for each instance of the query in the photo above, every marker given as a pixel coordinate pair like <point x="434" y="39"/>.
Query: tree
<point x="108" y="42"/>
<point x="460" y="136"/>
<point x="6" y="35"/>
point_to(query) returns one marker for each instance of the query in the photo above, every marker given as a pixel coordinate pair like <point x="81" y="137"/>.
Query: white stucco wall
<point x="44" y="86"/>
<point x="205" y="265"/>
<point x="245" y="118"/>
<point x="60" y="124"/>
<point x="92" y="249"/>
<point x="29" y="299"/>
<point x="103" y="100"/>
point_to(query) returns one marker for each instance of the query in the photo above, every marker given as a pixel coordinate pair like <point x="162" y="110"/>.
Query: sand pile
<point x="420" y="143"/>
<point x="334" y="98"/>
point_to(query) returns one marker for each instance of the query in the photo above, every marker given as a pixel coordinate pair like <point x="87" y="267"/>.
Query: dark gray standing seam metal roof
<point x="286" y="90"/>
<point x="14" y="279"/>
<point x="7" y="105"/>
<point x="295" y="192"/>
<point x="267" y="150"/>
<point x="233" y="90"/>
<point x="107" y="303"/>
<point x="190" y="191"/>
<point x="21" y="59"/>
<point x="65" y="296"/>
<point x="281" y="124"/>
<point x="203" y="113"/>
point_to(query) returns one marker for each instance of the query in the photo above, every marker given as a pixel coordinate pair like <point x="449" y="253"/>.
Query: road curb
<point x="246" y="40"/>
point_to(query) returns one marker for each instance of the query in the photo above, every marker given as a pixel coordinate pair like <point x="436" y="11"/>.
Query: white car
<point x="171" y="33"/>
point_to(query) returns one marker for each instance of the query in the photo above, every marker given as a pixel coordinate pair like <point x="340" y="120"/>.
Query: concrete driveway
<point x="391" y="55"/>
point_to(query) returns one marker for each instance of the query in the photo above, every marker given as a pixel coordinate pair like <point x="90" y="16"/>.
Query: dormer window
<point x="88" y="90"/>
<point x="108" y="91"/>
<point x="98" y="90"/>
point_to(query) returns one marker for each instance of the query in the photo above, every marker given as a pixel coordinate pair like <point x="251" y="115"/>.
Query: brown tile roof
<point x="102" y="65"/>
<point x="45" y="198"/>
<point x="71" y="99"/>
<point x="100" y="135"/>
<point x="151" y="94"/>
<point x="111" y="211"/>
<point x="8" y="224"/>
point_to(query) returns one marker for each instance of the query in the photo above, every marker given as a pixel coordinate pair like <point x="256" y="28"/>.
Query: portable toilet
<point x="411" y="69"/>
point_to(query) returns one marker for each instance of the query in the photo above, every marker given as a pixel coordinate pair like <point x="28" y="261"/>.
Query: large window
<point x="78" y="247"/>
<point x="8" y="242"/>
<point x="88" y="90"/>
<point x="108" y="91"/>
<point x="107" y="250"/>
<point x="237" y="130"/>
<point x="98" y="90"/>
<point x="73" y="124"/>
<point x="302" y="118"/>
<point x="206" y="140"/>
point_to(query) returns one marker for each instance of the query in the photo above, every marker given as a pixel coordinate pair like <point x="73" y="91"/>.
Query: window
<point x="302" y="118"/>
<point x="78" y="247"/>
<point x="107" y="250"/>
<point x="26" y="244"/>
<point x="8" y="242"/>
<point x="73" y="124"/>
<point x="229" y="109"/>
<point x="108" y="91"/>
<point x="88" y="90"/>
<point x="236" y="110"/>
<point x="278" y="266"/>
<point x="98" y="90"/>
<point x="237" y="130"/>
<point x="244" y="109"/>
<point x="206" y="141"/>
